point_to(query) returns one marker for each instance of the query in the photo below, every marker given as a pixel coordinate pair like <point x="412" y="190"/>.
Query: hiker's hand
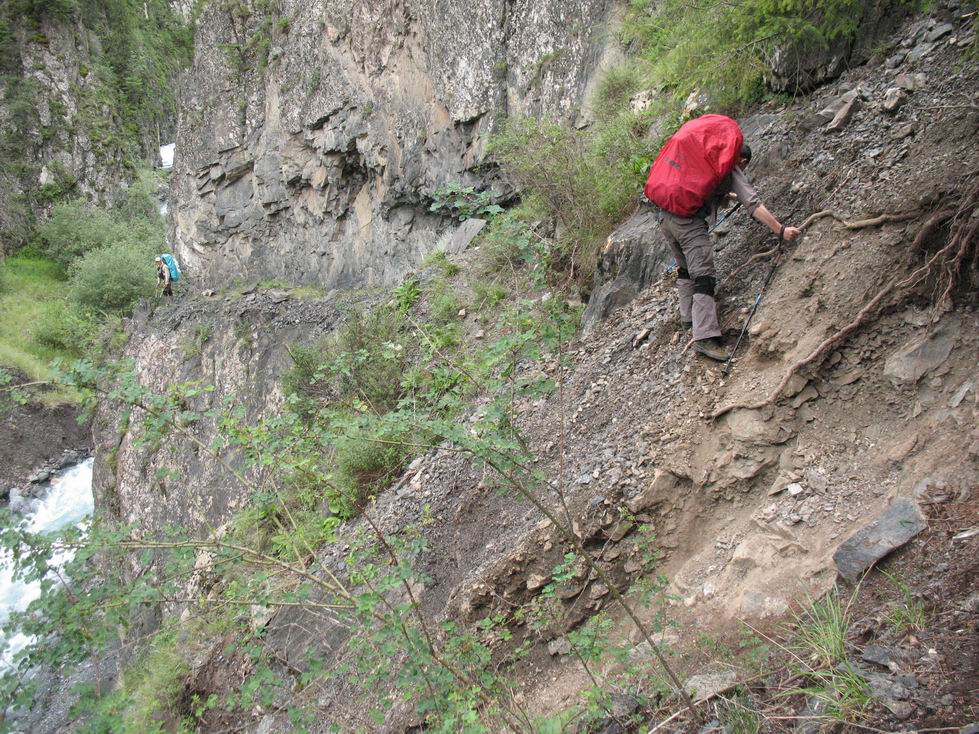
<point x="791" y="233"/>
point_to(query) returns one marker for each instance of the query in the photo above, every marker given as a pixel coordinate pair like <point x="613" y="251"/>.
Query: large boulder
<point x="635" y="255"/>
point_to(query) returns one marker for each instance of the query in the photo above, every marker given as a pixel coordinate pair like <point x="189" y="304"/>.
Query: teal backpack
<point x="171" y="262"/>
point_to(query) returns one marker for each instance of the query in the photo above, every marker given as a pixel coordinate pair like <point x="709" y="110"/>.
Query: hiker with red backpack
<point x="697" y="171"/>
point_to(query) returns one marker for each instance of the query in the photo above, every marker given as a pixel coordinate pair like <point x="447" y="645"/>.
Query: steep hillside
<point x="314" y="138"/>
<point x="743" y="510"/>
<point x="435" y="504"/>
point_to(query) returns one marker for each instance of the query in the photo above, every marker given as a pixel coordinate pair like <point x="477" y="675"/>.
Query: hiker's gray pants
<point x="695" y="258"/>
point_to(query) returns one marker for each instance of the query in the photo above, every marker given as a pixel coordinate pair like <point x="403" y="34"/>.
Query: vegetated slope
<point x="743" y="512"/>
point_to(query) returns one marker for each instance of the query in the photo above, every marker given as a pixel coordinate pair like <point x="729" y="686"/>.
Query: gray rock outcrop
<point x="322" y="167"/>
<point x="898" y="524"/>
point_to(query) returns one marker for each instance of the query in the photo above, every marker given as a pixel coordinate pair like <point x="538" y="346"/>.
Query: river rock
<point x="900" y="522"/>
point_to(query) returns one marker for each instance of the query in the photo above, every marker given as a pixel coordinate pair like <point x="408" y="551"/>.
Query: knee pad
<point x="704" y="284"/>
<point x="683" y="274"/>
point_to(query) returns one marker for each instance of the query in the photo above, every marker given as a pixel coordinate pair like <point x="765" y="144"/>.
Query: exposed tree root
<point x="859" y="223"/>
<point x="856" y="224"/>
<point x="949" y="260"/>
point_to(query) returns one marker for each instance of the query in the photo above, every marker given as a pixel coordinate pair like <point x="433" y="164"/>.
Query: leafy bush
<point x="364" y="362"/>
<point x="587" y="180"/>
<point x="507" y="243"/>
<point x="721" y="47"/>
<point x="76" y="228"/>
<point x="365" y="464"/>
<point x="464" y="202"/>
<point x="615" y="89"/>
<point x="66" y="329"/>
<point x="445" y="303"/>
<point x="407" y="294"/>
<point x="113" y="278"/>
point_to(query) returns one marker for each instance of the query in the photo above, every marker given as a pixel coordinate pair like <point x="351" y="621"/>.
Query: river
<point x="68" y="502"/>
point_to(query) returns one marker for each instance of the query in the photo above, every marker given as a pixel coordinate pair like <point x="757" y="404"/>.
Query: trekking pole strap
<point x="724" y="218"/>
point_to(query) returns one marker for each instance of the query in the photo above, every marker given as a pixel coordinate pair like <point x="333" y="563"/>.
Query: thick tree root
<point x="856" y="224"/>
<point x="949" y="260"/>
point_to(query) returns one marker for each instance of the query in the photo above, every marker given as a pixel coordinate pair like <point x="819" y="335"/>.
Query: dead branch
<point x="948" y="258"/>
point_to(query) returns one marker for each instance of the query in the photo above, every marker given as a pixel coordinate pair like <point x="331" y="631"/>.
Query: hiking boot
<point x="712" y="348"/>
<point x="686" y="325"/>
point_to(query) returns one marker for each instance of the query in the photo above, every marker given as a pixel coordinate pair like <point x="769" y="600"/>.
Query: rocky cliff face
<point x="239" y="345"/>
<point x="322" y="167"/>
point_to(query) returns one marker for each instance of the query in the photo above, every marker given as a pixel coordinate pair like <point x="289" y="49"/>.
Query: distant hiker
<point x="696" y="172"/>
<point x="167" y="272"/>
<point x="163" y="277"/>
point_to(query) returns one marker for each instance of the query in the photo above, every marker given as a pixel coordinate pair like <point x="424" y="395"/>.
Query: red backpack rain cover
<point x="692" y="163"/>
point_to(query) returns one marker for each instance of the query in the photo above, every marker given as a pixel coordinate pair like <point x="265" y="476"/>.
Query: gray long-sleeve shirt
<point x="737" y="184"/>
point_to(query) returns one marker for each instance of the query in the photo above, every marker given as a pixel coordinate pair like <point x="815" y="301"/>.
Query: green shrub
<point x="407" y="294"/>
<point x="363" y="362"/>
<point x="76" y="228"/>
<point x="445" y="303"/>
<point x="587" y="180"/>
<point x="721" y="47"/>
<point x="113" y="278"/>
<point x="507" y="244"/>
<point x="487" y="294"/>
<point x="464" y="202"/>
<point x="66" y="329"/>
<point x="365" y="464"/>
<point x="615" y="89"/>
<point x="440" y="260"/>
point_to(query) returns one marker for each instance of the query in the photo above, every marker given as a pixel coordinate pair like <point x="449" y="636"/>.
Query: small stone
<point x="463" y="313"/>
<point x="794" y="489"/>
<point x="843" y="117"/>
<point x="920" y="51"/>
<point x="895" y="60"/>
<point x="632" y="567"/>
<point x="702" y="687"/>
<point x="900" y="709"/>
<point x="894" y="98"/>
<point x="536" y="581"/>
<point x="901" y="521"/>
<point x="560" y="646"/>
<point x="620" y="530"/>
<point x="938" y="32"/>
<point x="877" y="654"/>
<point x="40" y="476"/>
<point x="598" y="590"/>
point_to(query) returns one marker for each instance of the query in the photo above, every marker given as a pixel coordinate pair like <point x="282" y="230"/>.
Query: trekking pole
<point x="744" y="329"/>
<point x="724" y="218"/>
